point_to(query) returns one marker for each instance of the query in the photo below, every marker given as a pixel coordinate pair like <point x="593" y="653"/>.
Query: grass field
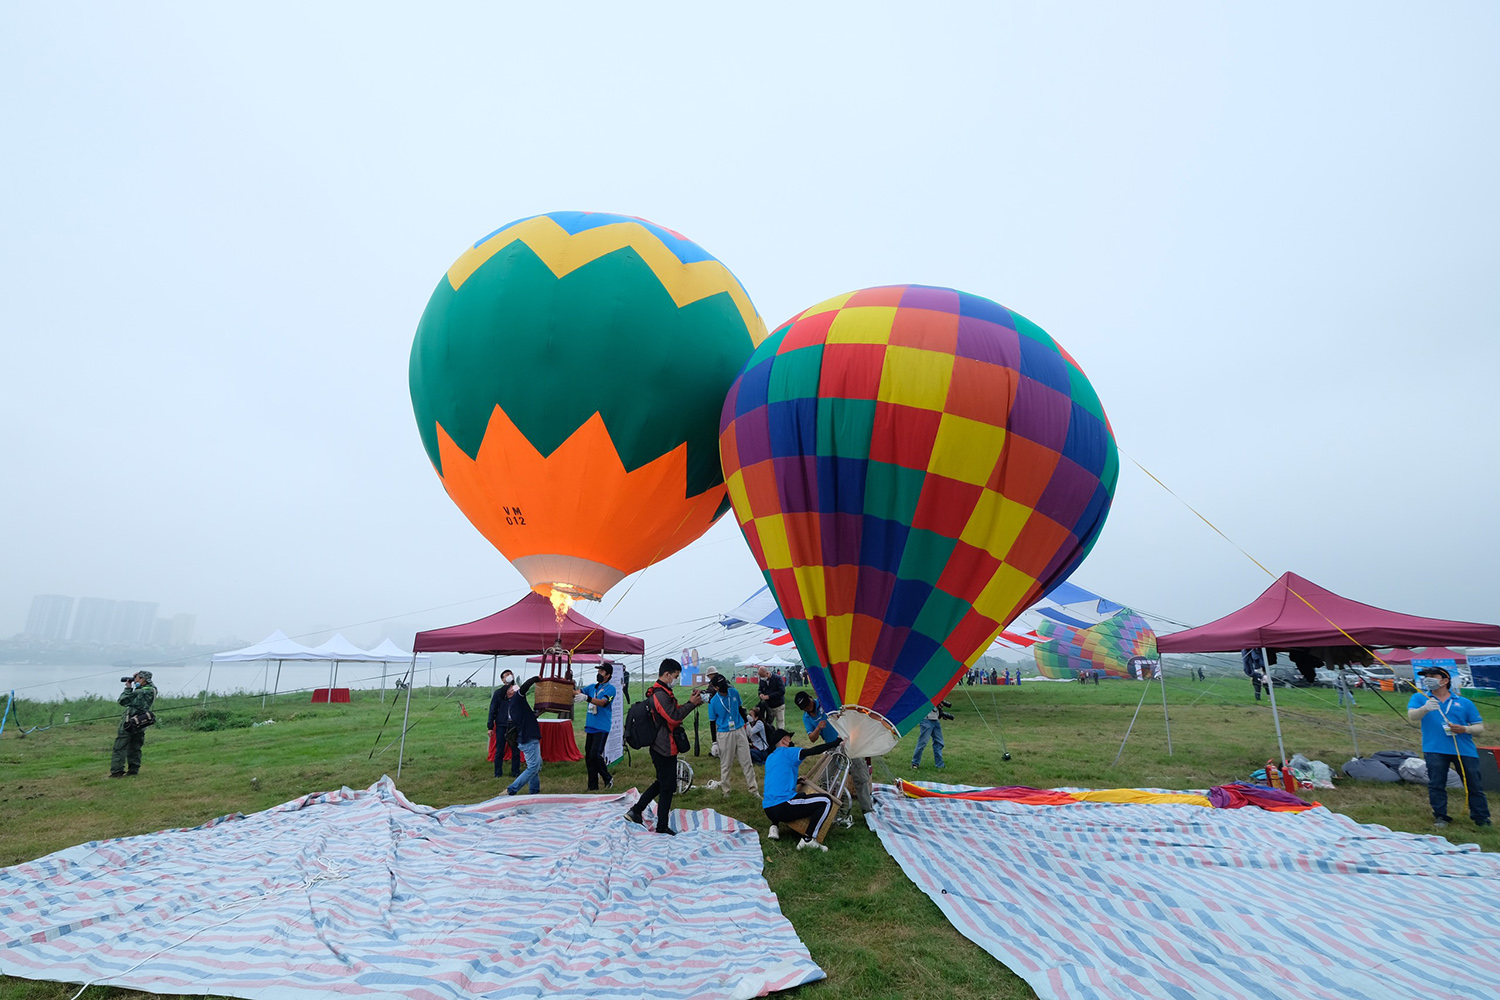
<point x="873" y="932"/>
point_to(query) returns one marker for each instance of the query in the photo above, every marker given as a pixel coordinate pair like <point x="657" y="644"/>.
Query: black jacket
<point x="774" y="688"/>
<point x="522" y="719"/>
<point x="499" y="712"/>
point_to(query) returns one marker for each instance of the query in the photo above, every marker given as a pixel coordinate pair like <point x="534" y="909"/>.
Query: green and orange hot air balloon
<point x="567" y="378"/>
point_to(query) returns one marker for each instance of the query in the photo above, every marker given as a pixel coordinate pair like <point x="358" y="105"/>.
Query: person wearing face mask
<point x="1449" y="723"/>
<point x="734" y="735"/>
<point x="501" y="733"/>
<point x="600" y="697"/>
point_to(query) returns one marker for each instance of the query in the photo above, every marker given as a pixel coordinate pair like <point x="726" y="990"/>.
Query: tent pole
<point x="1164" y="714"/>
<point x="1144" y="691"/>
<point x="210" y="681"/>
<point x="1271" y="687"/>
<point x="412" y="673"/>
<point x="265" y="675"/>
<point x="382" y="680"/>
<point x="277" y="686"/>
<point x="494" y="669"/>
<point x="1349" y="708"/>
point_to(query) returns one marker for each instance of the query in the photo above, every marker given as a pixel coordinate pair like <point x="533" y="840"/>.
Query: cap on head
<point x="802" y="700"/>
<point x="669" y="666"/>
<point x="608" y="669"/>
<point x="777" y="735"/>
<point x="1435" y="672"/>
<point x="144" y="675"/>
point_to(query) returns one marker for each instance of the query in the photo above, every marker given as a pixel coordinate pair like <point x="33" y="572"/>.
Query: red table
<point x="559" y="745"/>
<point x="321" y="696"/>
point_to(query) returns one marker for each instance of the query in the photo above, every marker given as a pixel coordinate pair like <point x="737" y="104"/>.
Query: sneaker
<point x="1483" y="822"/>
<point x="713" y="784"/>
<point x="1438" y="824"/>
<point x="609" y="782"/>
<point x="631" y="816"/>
<point x="914" y="767"/>
<point x="774" y="833"/>
<point x="668" y="831"/>
<point x="120" y="775"/>
<point x="940" y="766"/>
<point x="808" y="844"/>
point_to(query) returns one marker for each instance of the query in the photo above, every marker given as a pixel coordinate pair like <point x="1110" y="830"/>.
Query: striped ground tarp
<point x="364" y="893"/>
<point x="1099" y="900"/>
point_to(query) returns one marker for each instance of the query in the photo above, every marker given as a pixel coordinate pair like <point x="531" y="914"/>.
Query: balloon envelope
<point x="911" y="467"/>
<point x="1108" y="646"/>
<point x="567" y="377"/>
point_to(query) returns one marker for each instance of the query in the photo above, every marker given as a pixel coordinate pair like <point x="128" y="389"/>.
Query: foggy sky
<point x="1268" y="234"/>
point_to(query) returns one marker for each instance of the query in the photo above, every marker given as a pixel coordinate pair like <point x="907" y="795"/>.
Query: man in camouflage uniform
<point x="138" y="696"/>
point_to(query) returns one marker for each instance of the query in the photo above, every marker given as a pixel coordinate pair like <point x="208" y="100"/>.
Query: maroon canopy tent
<point x="527" y="626"/>
<point x="1423" y="653"/>
<point x="1281" y="619"/>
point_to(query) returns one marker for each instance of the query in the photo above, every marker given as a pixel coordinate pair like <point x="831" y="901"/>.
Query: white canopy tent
<point x="336" y="650"/>
<point x="275" y="646"/>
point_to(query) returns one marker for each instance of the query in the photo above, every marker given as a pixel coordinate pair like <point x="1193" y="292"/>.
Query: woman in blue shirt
<point x="782" y="802"/>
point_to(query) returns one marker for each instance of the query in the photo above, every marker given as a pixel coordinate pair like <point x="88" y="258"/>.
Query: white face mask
<point x="1430" y="683"/>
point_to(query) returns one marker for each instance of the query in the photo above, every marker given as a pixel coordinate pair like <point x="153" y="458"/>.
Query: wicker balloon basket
<point x="554" y="687"/>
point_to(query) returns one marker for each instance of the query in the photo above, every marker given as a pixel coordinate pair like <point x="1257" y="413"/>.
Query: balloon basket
<point x="827" y="775"/>
<point x="866" y="732"/>
<point x="555" y="687"/>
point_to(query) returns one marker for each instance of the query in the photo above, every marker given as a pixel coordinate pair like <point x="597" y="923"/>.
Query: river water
<point x="56" y="682"/>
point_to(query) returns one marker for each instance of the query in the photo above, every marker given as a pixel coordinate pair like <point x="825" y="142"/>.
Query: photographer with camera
<point x="670" y="740"/>
<point x="137" y="698"/>
<point x="734" y="736"/>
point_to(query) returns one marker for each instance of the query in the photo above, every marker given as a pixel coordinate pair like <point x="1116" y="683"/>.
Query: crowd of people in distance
<point x="989" y="675"/>
<point x="742" y="738"/>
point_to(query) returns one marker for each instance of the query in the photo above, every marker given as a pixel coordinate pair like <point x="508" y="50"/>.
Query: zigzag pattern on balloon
<point x="566" y="241"/>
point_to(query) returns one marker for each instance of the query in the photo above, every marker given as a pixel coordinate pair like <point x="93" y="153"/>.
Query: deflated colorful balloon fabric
<point x="911" y="467"/>
<point x="1236" y="796"/>
<point x="567" y="377"/>
<point x="1108" y="646"/>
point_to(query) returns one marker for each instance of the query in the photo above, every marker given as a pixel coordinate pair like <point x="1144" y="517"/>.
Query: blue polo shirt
<point x="724" y="710"/>
<point x="598" y="718"/>
<point x="1452" y="709"/>
<point x="810" y="722"/>
<point x="781" y="776"/>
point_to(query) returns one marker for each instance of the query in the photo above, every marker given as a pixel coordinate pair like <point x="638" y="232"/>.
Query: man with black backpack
<point x="670" y="739"/>
<point x="138" y="697"/>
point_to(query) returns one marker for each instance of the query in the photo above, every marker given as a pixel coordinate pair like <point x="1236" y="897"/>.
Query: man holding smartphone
<point x="1449" y="723"/>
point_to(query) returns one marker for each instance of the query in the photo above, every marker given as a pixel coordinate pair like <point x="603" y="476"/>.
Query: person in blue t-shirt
<point x="600" y="697"/>
<point x="1448" y="727"/>
<point x="782" y="802"/>
<point x="724" y="709"/>
<point x="814" y="720"/>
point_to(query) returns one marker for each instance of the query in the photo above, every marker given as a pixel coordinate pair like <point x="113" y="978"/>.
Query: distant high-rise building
<point x="133" y="621"/>
<point x="161" y="632"/>
<point x="49" y="617"/>
<point x="183" y="627"/>
<point x="95" y="619"/>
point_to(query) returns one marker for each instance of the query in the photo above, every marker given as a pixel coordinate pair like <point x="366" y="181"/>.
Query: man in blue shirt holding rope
<point x="724" y="708"/>
<point x="1449" y="723"/>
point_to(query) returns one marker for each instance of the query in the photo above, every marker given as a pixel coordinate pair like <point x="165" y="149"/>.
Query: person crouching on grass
<point x="782" y="802"/>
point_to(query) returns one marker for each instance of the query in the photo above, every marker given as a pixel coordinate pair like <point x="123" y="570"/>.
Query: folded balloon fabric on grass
<point x="1234" y="796"/>
<point x="1171" y="900"/>
<point x="366" y="893"/>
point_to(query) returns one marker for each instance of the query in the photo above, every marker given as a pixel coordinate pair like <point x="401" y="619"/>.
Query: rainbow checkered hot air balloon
<point x="1108" y="646"/>
<point x="912" y="467"/>
<point x="567" y="377"/>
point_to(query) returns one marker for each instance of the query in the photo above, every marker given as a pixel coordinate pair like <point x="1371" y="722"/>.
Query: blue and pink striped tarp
<point x="1095" y="901"/>
<point x="364" y="893"/>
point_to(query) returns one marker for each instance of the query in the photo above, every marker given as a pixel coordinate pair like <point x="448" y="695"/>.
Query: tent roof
<point x="389" y="652"/>
<point x="1281" y="619"/>
<point x="275" y="646"/>
<point x="339" y="648"/>
<point x="527" y="626"/>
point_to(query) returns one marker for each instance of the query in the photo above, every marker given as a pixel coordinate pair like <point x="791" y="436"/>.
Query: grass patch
<point x="865" y="923"/>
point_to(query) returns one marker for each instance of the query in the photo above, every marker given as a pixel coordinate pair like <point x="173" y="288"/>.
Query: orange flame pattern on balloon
<point x="509" y="492"/>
